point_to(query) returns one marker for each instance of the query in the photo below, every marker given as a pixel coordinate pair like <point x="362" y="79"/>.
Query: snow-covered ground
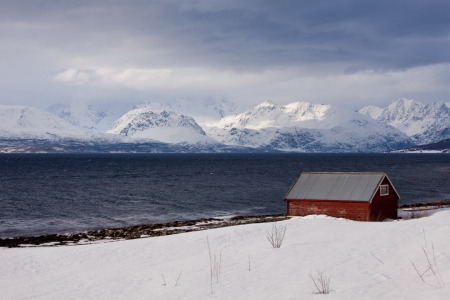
<point x="365" y="260"/>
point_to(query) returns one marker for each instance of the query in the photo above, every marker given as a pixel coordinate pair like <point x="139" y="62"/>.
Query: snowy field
<point x="364" y="260"/>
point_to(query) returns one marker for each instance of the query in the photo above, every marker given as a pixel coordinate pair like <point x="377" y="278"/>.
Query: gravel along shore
<point x="135" y="232"/>
<point x="151" y="230"/>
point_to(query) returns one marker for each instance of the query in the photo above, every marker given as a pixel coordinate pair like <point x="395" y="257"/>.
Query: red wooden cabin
<point x="355" y="196"/>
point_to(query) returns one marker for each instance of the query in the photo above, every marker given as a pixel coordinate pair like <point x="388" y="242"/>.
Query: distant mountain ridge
<point x="98" y="120"/>
<point x="219" y="125"/>
<point x="161" y="125"/>
<point x="85" y="117"/>
<point x="23" y="122"/>
<point x="424" y="123"/>
<point x="306" y="127"/>
<point x="203" y="110"/>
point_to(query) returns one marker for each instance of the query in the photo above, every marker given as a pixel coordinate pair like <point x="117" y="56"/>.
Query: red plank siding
<point x="353" y="210"/>
<point x="383" y="207"/>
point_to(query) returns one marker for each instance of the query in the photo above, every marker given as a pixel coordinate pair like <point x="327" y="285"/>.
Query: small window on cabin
<point x="384" y="190"/>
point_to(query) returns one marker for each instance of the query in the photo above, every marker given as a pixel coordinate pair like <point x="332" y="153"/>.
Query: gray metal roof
<point x="336" y="186"/>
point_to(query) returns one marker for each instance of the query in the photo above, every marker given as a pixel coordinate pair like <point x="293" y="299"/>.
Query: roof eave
<point x="292" y="186"/>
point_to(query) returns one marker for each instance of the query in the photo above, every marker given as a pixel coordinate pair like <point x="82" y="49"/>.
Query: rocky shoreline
<point x="135" y="232"/>
<point x="161" y="229"/>
<point x="437" y="204"/>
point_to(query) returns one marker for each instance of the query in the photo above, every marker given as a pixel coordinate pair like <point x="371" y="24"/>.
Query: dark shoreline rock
<point x="438" y="204"/>
<point x="160" y="229"/>
<point x="137" y="231"/>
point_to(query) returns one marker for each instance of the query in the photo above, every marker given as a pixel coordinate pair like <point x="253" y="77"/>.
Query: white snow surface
<point x="160" y="124"/>
<point x="23" y="122"/>
<point x="365" y="260"/>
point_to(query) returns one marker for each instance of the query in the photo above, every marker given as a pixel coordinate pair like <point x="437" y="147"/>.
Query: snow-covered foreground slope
<point x="23" y="122"/>
<point x="161" y="125"/>
<point x="424" y="123"/>
<point x="366" y="260"/>
<point x="306" y="127"/>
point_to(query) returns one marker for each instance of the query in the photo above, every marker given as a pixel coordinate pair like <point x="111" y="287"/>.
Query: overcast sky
<point x="344" y="52"/>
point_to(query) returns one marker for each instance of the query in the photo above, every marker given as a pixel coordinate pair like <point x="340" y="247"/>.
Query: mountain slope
<point x="161" y="125"/>
<point x="305" y="127"/>
<point x="22" y="122"/>
<point x="86" y="117"/>
<point x="204" y="110"/>
<point x="371" y="111"/>
<point x="424" y="123"/>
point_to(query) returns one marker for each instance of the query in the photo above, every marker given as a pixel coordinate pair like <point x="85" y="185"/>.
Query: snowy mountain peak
<point x="401" y="109"/>
<point x="23" y="122"/>
<point x="161" y="125"/>
<point x="371" y="111"/>
<point x="270" y="115"/>
<point x="84" y="116"/>
<point x="204" y="110"/>
<point x="152" y="106"/>
<point x="306" y="127"/>
<point x="266" y="103"/>
<point x="441" y="105"/>
<point x="424" y="123"/>
<point x="307" y="111"/>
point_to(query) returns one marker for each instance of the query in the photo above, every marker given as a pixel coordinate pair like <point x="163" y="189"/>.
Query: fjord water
<point x="59" y="193"/>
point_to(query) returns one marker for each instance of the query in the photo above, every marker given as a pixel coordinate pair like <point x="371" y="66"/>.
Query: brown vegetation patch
<point x="138" y="231"/>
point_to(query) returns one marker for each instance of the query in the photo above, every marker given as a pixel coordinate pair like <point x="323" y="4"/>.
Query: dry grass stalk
<point x="431" y="266"/>
<point x="376" y="258"/>
<point x="378" y="217"/>
<point x="215" y="264"/>
<point x="441" y="203"/>
<point x="176" y="283"/>
<point x="322" y="282"/>
<point x="416" y="213"/>
<point x="276" y="236"/>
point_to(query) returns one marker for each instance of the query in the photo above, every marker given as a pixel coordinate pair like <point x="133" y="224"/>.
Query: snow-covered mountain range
<point x="100" y="120"/>
<point x="306" y="127"/>
<point x="219" y="125"/>
<point x="203" y="110"/>
<point x="424" y="123"/>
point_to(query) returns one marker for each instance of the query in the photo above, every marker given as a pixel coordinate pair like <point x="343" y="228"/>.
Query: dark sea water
<point x="58" y="193"/>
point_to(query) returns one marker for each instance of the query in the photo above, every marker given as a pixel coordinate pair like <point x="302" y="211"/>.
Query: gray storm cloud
<point x="326" y="51"/>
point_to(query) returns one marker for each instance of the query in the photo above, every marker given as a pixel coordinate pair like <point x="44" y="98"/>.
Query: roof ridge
<point x="343" y="173"/>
